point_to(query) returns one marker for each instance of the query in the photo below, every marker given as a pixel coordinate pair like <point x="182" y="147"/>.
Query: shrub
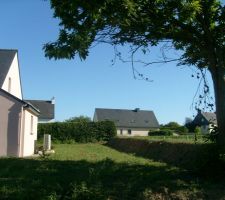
<point x="78" y="131"/>
<point x="197" y="133"/>
<point x="164" y="132"/>
<point x="191" y="127"/>
<point x="80" y="118"/>
<point x="212" y="135"/>
<point x="182" y="130"/>
<point x="174" y="127"/>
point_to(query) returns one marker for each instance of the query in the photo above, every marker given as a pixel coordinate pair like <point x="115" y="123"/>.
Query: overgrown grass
<point x="175" y="139"/>
<point x="95" y="171"/>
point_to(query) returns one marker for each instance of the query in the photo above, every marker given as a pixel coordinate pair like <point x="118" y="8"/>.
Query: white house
<point x="18" y="121"/>
<point x="129" y="122"/>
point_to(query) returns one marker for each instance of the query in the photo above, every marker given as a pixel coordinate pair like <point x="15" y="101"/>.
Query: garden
<point x="97" y="171"/>
<point x="114" y="168"/>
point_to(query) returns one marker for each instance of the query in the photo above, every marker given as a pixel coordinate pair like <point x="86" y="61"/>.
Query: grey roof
<point x="210" y="117"/>
<point x="6" y="58"/>
<point x="46" y="108"/>
<point x="128" y="118"/>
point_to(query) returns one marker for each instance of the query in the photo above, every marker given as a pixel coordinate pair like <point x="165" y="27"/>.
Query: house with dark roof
<point x="18" y="121"/>
<point x="205" y="120"/>
<point x="46" y="108"/>
<point x="129" y="122"/>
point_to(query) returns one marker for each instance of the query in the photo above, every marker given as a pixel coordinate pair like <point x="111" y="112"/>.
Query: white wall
<point x="29" y="136"/>
<point x="14" y="74"/>
<point x="134" y="132"/>
<point x="205" y="129"/>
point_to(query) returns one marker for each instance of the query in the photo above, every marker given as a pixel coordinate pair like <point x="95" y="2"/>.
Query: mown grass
<point x="95" y="171"/>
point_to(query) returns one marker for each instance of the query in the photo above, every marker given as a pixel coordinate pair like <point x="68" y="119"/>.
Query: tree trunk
<point x="218" y="76"/>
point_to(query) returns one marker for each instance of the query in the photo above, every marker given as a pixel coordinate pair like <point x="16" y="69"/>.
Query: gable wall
<point x="200" y="120"/>
<point x="14" y="74"/>
<point x="10" y="125"/>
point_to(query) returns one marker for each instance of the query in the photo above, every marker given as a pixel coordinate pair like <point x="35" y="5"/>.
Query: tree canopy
<point x="194" y="27"/>
<point x="80" y="119"/>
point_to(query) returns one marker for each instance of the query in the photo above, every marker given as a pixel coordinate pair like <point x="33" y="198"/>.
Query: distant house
<point x="46" y="108"/>
<point x="205" y="120"/>
<point x="18" y="121"/>
<point x="129" y="122"/>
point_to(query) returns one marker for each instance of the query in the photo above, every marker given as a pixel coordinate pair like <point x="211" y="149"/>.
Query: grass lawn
<point x="95" y="171"/>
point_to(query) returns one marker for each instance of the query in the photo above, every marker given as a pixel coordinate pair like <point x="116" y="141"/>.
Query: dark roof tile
<point x="210" y="117"/>
<point x="46" y="108"/>
<point x="6" y="58"/>
<point x="128" y="118"/>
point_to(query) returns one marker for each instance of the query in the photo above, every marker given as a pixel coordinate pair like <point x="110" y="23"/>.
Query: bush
<point x="80" y="118"/>
<point x="197" y="133"/>
<point x="182" y="130"/>
<point x="161" y="133"/>
<point x="82" y="132"/>
<point x="191" y="127"/>
<point x="212" y="136"/>
<point x="174" y="127"/>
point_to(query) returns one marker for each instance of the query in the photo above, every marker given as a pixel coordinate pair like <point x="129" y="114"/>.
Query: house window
<point x="9" y="84"/>
<point x="31" y="125"/>
<point x="129" y="131"/>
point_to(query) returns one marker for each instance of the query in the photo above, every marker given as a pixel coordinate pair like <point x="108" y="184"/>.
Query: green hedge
<point x="164" y="132"/>
<point x="78" y="132"/>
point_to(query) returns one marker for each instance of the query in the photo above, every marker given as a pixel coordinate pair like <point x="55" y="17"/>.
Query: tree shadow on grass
<point x="200" y="159"/>
<point x="52" y="179"/>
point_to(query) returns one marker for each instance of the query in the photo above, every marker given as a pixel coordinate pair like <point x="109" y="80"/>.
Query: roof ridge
<point x="9" y="50"/>
<point x="38" y="100"/>
<point x="122" y="109"/>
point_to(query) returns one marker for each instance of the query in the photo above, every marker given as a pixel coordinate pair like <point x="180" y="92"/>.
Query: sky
<point x="81" y="86"/>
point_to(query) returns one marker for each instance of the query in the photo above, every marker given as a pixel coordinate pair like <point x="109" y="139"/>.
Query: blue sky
<point x="80" y="87"/>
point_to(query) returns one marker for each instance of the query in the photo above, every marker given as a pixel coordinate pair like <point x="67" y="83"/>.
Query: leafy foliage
<point x="193" y="27"/>
<point x="197" y="133"/>
<point x="81" y="119"/>
<point x="190" y="126"/>
<point x="168" y="130"/>
<point x="165" y="132"/>
<point x="78" y="132"/>
<point x="171" y="125"/>
<point x="212" y="135"/>
<point x="174" y="127"/>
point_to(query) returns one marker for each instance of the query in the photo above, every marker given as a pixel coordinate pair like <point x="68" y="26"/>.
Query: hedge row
<point x="78" y="132"/>
<point x="160" y="133"/>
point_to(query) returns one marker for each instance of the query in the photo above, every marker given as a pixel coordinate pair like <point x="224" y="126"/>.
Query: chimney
<point x="53" y="100"/>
